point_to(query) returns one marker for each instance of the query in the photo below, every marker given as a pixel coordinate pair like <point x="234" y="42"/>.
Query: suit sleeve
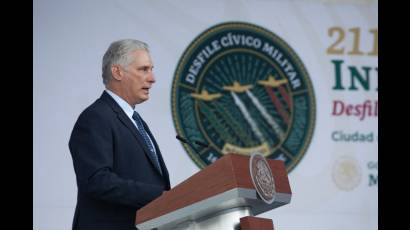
<point x="91" y="146"/>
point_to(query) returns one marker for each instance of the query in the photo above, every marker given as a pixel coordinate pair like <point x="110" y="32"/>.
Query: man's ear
<point x="116" y="72"/>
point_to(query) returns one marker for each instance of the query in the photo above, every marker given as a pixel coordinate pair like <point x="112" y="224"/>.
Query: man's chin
<point x="143" y="99"/>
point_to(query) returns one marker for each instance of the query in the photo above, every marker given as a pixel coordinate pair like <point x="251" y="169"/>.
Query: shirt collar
<point x="122" y="103"/>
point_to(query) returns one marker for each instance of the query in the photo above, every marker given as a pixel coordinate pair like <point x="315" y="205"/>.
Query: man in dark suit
<point x="117" y="162"/>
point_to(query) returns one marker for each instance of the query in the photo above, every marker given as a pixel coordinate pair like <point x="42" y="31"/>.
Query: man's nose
<point x="151" y="77"/>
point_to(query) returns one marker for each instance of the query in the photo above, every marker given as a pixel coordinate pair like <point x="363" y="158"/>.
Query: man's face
<point x="138" y="77"/>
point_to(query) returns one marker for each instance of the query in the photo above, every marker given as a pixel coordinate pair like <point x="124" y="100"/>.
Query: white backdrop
<point x="70" y="38"/>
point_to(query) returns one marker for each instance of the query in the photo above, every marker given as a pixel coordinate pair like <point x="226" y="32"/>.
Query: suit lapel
<point x="128" y="123"/>
<point x="161" y="160"/>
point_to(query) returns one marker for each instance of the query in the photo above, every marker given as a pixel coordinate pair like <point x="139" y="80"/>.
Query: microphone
<point x="190" y="144"/>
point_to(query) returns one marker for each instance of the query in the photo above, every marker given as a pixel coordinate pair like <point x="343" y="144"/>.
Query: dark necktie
<point x="144" y="134"/>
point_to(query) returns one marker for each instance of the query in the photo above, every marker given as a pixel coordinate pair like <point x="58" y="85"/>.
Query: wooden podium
<point x="221" y="196"/>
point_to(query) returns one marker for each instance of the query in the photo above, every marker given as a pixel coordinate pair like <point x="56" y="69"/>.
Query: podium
<point x="221" y="196"/>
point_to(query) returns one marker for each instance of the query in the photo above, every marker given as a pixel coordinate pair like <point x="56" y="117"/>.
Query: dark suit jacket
<point x="115" y="174"/>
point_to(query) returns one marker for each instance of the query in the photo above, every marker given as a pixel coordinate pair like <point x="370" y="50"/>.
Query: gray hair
<point x="119" y="54"/>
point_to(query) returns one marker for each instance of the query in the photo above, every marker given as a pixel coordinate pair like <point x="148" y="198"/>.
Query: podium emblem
<point x="239" y="88"/>
<point x="262" y="177"/>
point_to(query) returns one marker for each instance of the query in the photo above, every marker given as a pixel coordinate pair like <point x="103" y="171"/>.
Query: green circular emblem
<point x="239" y="88"/>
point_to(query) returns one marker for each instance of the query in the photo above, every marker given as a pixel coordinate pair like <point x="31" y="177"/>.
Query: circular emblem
<point x="262" y="177"/>
<point x="346" y="173"/>
<point x="239" y="88"/>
